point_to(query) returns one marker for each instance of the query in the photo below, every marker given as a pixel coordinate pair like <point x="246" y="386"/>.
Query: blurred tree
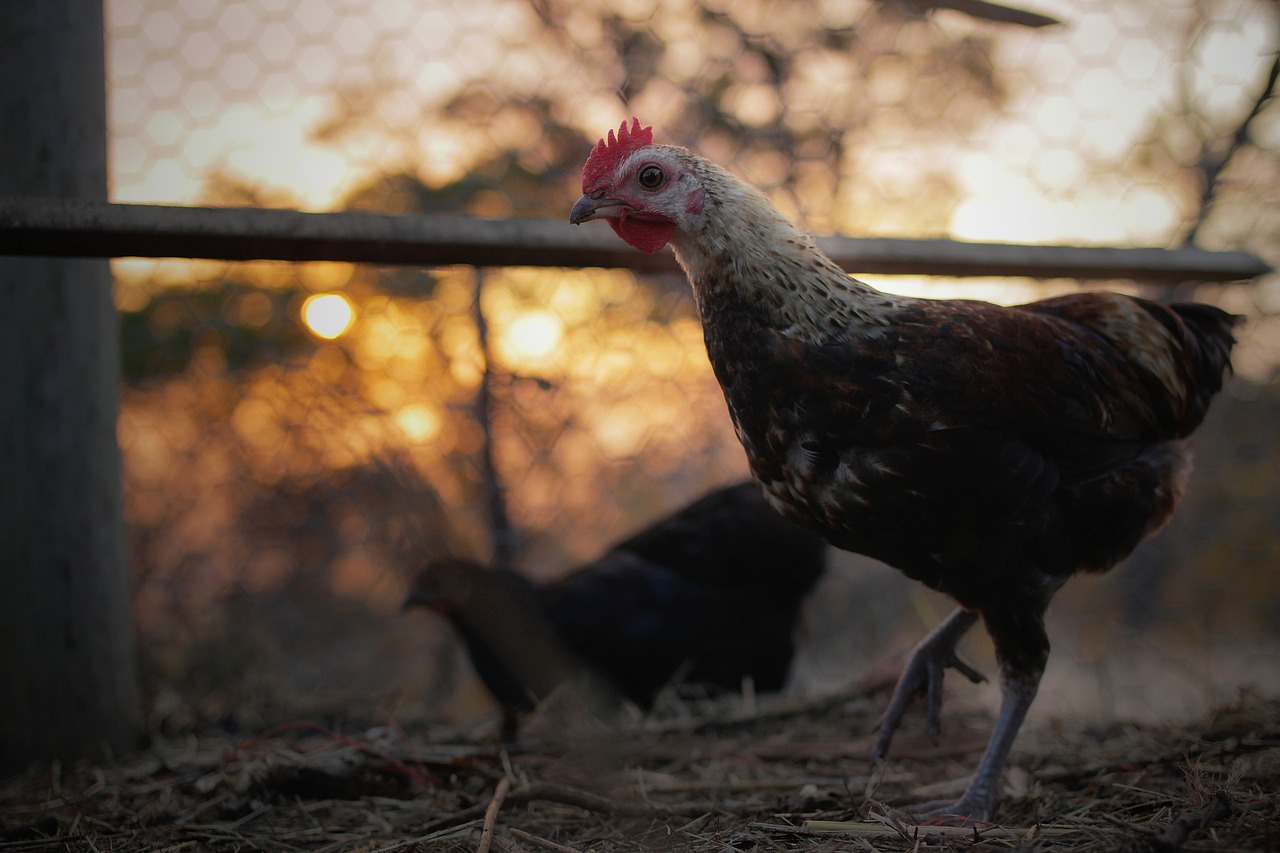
<point x="239" y="323"/>
<point x="1218" y="143"/>
<point x="1216" y="155"/>
<point x="786" y="94"/>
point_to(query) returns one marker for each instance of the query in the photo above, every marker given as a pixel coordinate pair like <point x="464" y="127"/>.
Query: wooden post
<point x="68" y="675"/>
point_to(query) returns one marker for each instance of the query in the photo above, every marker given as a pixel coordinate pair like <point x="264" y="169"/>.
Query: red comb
<point x="607" y="155"/>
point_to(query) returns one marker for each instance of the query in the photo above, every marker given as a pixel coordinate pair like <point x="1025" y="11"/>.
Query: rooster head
<point x="644" y="191"/>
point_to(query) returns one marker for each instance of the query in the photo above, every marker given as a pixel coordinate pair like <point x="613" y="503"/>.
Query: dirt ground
<point x="695" y="776"/>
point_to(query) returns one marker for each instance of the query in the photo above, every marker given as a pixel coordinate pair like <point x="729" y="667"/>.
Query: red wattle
<point x="647" y="235"/>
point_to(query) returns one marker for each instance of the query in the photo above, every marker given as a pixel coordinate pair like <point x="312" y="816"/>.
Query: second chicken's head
<point x="442" y="585"/>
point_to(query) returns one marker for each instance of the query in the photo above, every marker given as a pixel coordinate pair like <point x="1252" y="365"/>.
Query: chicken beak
<point x="587" y="208"/>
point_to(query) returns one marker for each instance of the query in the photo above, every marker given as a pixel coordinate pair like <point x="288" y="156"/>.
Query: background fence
<point x="288" y="458"/>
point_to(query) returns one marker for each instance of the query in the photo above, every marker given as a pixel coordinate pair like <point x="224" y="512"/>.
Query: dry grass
<point x="697" y="778"/>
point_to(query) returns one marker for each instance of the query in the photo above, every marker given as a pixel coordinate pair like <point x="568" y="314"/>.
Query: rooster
<point x="710" y="594"/>
<point x="988" y="452"/>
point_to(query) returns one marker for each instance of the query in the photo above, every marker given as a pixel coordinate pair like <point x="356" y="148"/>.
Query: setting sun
<point x="327" y="315"/>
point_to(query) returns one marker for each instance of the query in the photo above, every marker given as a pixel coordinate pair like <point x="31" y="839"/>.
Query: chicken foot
<point x="923" y="673"/>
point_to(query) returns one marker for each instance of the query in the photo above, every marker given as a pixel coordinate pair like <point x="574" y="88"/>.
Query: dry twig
<point x="539" y="841"/>
<point x="1174" y="834"/>
<point x="491" y="814"/>
<point x="570" y="796"/>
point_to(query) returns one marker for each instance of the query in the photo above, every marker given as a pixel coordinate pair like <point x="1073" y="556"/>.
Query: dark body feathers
<point x="988" y="452"/>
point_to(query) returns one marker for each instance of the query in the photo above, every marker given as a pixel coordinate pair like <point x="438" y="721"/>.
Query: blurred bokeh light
<point x="327" y="315"/>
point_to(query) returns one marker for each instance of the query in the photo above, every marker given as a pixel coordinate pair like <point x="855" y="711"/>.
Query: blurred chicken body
<point x="989" y="452"/>
<point x="710" y="595"/>
<point x="514" y="648"/>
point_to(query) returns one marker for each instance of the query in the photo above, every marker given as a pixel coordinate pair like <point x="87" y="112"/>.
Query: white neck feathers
<point x="743" y="243"/>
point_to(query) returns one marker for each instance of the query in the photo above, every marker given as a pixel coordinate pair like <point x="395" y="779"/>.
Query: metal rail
<point x="81" y="228"/>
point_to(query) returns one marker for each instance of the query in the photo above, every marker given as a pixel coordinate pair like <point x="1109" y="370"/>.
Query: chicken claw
<point x="924" y="673"/>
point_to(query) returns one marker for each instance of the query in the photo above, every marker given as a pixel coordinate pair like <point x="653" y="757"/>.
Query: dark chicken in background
<point x="989" y="452"/>
<point x="512" y="644"/>
<point x="709" y="596"/>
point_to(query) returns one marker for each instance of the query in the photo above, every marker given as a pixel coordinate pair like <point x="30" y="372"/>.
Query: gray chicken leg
<point x="977" y="803"/>
<point x="924" y="673"/>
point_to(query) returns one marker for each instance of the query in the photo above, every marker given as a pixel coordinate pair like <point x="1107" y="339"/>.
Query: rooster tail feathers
<point x="1183" y="349"/>
<point x="1206" y="336"/>
<point x="1213" y="331"/>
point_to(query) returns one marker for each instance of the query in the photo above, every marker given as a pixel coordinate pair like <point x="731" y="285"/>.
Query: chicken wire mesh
<point x="289" y="458"/>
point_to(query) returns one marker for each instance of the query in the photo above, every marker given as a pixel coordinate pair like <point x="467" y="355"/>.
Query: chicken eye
<point x="651" y="177"/>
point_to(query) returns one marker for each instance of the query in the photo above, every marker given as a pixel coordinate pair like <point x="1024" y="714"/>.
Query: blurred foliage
<point x="745" y="82"/>
<point x="277" y="483"/>
<point x="239" y="324"/>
